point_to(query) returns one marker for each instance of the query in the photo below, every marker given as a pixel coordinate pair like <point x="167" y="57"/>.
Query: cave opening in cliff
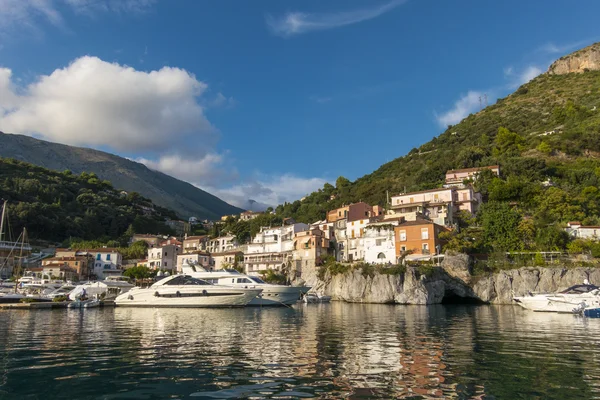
<point x="452" y="298"/>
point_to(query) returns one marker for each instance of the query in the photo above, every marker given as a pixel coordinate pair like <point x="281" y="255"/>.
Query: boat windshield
<point x="186" y="280"/>
<point x="256" y="279"/>
<point x="578" y="289"/>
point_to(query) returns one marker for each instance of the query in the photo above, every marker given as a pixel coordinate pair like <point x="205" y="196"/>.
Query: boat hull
<point x="187" y="297"/>
<point x="277" y="295"/>
<point x="556" y="302"/>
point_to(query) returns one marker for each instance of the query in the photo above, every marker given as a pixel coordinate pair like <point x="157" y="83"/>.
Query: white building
<point x="164" y="257"/>
<point x="439" y="205"/>
<point x="222" y="244"/>
<point x="275" y="240"/>
<point x="379" y="242"/>
<point x="355" y="232"/>
<point x="107" y="262"/>
<point x="576" y="230"/>
<point x="272" y="248"/>
<point x="198" y="257"/>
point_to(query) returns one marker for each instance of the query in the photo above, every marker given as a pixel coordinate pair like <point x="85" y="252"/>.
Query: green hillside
<point x="164" y="190"/>
<point x="60" y="205"/>
<point x="546" y="139"/>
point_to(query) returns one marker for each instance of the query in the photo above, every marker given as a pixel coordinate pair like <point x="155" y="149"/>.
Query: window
<point x="381" y="256"/>
<point x="165" y="264"/>
<point x="464" y="196"/>
<point x="362" y="232"/>
<point x="378" y="242"/>
<point x="165" y="253"/>
<point x="403" y="248"/>
<point x="186" y="280"/>
<point x="339" y="214"/>
<point x="99" y="257"/>
<point x="436" y="197"/>
<point x="424" y="233"/>
<point x="412" y="199"/>
<point x="361" y="221"/>
<point x="108" y="257"/>
<point x="403" y="236"/>
<point x="352" y="233"/>
<point x="425" y="247"/>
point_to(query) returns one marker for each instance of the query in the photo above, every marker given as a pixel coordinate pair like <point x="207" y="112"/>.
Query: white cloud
<point x="518" y="78"/>
<point x="27" y="14"/>
<point x="210" y="174"/>
<point x="295" y="23"/>
<point x="221" y="100"/>
<point x="464" y="106"/>
<point x="270" y="190"/>
<point x="205" y="171"/>
<point x="320" y="99"/>
<point x="95" y="103"/>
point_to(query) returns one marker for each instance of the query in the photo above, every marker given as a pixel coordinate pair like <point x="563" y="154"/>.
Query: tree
<point x="500" y="223"/>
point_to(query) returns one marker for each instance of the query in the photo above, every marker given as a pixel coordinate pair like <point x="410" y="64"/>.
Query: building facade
<point x="576" y="230"/>
<point x="380" y="242"/>
<point x="195" y="243"/>
<point x="81" y="265"/>
<point x="164" y="257"/>
<point x="457" y="177"/>
<point x="420" y="238"/>
<point x="198" y="257"/>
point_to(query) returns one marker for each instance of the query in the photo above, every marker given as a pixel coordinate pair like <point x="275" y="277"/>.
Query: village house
<point x="222" y="244"/>
<point x="163" y="257"/>
<point x="195" y="243"/>
<point x="54" y="270"/>
<point x="457" y="177"/>
<point x="340" y="237"/>
<point x="106" y="261"/>
<point x="82" y="265"/>
<point x="181" y="228"/>
<point x="326" y="227"/>
<point x="272" y="248"/>
<point x="201" y="258"/>
<point x="579" y="231"/>
<point x="226" y="260"/>
<point x="419" y="237"/>
<point x="248" y="215"/>
<point x="380" y="242"/>
<point x="310" y="247"/>
<point x="353" y="212"/>
<point x="439" y="205"/>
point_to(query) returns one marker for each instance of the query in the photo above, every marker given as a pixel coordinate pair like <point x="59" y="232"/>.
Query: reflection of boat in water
<point x="570" y="300"/>
<point x="107" y="289"/>
<point x="311" y="298"/>
<point x="272" y="295"/>
<point x="186" y="291"/>
<point x="91" y="303"/>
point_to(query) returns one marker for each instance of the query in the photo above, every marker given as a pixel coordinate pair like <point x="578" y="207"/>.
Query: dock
<point x="46" y="305"/>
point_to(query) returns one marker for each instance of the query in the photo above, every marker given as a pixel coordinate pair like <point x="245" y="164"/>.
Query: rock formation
<point x="451" y="282"/>
<point x="586" y="59"/>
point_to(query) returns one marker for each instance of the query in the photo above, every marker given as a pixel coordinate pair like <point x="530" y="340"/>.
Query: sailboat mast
<point x="4" y="206"/>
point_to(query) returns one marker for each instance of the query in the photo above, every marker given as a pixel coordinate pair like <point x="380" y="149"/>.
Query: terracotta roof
<point x="574" y="223"/>
<point x="102" y="250"/>
<point x="195" y="237"/>
<point x="418" y="221"/>
<point x="76" y="258"/>
<point x="455" y="171"/>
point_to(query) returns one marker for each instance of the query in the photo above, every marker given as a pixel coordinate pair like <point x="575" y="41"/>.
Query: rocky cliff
<point x="452" y="282"/>
<point x="586" y="59"/>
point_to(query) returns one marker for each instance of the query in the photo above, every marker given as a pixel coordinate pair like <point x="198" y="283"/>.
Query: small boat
<point x="187" y="291"/>
<point x="106" y="289"/>
<point x="571" y="300"/>
<point x="272" y="295"/>
<point x="312" y="298"/>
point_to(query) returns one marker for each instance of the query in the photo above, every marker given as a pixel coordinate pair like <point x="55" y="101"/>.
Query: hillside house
<point x="420" y="237"/>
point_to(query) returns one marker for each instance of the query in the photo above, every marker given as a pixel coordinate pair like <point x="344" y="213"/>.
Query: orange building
<point x="420" y="236"/>
<point x="79" y="264"/>
<point x="354" y="212"/>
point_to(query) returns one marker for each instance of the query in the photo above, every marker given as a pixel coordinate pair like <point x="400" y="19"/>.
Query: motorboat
<point x="272" y="295"/>
<point x="64" y="290"/>
<point x="105" y="290"/>
<point x="313" y="298"/>
<point x="571" y="300"/>
<point x="187" y="291"/>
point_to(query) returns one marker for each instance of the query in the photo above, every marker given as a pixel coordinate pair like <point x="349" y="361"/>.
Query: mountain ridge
<point x="164" y="190"/>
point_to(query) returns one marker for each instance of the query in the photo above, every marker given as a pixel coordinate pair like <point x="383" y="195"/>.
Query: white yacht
<point x="568" y="301"/>
<point x="107" y="289"/>
<point x="272" y="295"/>
<point x="186" y="291"/>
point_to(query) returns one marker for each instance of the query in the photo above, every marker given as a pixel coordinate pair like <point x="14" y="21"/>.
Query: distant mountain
<point x="164" y="190"/>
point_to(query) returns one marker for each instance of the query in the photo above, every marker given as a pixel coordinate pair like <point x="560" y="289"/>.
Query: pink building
<point x="456" y="177"/>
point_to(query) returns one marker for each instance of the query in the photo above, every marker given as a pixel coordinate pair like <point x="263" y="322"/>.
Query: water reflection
<point x="311" y="351"/>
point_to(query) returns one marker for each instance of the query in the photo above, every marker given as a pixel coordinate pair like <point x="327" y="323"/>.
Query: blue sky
<point x="267" y="100"/>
